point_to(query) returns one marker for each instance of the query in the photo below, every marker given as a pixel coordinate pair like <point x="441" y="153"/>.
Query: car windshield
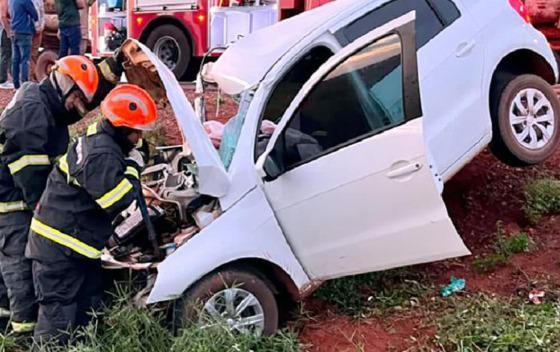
<point x="233" y="127"/>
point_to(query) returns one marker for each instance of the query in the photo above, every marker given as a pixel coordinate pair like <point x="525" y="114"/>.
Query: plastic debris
<point x="536" y="296"/>
<point x="455" y="285"/>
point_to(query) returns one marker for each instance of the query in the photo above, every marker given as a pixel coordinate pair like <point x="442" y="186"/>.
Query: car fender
<point x="500" y="45"/>
<point x="248" y="230"/>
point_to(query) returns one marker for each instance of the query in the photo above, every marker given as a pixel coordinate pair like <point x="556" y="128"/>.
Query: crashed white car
<point x="370" y="106"/>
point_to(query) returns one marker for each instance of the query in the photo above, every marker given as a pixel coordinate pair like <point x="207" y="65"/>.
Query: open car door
<point x="346" y="169"/>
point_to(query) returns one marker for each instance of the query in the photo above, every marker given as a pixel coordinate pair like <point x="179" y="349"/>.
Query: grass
<point x="504" y="248"/>
<point x="484" y="323"/>
<point x="542" y="198"/>
<point x="124" y="328"/>
<point x="373" y="293"/>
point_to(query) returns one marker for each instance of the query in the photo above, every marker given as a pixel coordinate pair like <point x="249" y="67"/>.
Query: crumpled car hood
<point x="213" y="179"/>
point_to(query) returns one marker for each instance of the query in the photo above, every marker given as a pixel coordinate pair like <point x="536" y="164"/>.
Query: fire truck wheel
<point x="44" y="63"/>
<point x="172" y="47"/>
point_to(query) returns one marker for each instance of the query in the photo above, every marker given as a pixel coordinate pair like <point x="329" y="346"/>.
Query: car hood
<point x="245" y="63"/>
<point x="143" y="68"/>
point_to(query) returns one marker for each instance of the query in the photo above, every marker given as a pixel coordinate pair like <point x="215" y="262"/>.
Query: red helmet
<point x="82" y="71"/>
<point x="130" y="106"/>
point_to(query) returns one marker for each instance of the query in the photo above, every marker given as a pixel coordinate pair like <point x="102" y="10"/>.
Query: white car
<point x="374" y="104"/>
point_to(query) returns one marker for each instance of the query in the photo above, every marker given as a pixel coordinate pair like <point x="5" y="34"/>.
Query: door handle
<point x="404" y="170"/>
<point x="465" y="48"/>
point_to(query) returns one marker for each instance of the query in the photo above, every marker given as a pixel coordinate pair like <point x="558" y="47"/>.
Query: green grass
<point x="374" y="293"/>
<point x="124" y="328"/>
<point x="542" y="198"/>
<point x="504" y="248"/>
<point x="483" y="323"/>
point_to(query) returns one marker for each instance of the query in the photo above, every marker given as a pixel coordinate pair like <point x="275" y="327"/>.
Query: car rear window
<point x="431" y="18"/>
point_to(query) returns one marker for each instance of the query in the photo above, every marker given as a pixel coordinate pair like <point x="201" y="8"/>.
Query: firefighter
<point x="96" y="180"/>
<point x="33" y="133"/>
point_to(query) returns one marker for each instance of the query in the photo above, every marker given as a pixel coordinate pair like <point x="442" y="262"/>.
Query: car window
<point x="428" y="24"/>
<point x="293" y="80"/>
<point x="362" y="96"/>
<point x="286" y="90"/>
<point x="447" y="10"/>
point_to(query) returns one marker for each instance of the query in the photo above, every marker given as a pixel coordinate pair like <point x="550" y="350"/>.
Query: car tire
<point x="521" y="136"/>
<point x="211" y="290"/>
<point x="172" y="47"/>
<point x="45" y="61"/>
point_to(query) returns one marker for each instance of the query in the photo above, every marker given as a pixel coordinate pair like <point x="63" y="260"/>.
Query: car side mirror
<point x="268" y="168"/>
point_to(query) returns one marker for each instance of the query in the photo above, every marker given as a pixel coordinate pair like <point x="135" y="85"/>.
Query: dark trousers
<point x="67" y="290"/>
<point x="21" y="54"/>
<point x="16" y="269"/>
<point x="5" y="56"/>
<point x="70" y="38"/>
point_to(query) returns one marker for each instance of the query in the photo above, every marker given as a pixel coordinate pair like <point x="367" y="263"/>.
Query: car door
<point x="346" y="172"/>
<point x="450" y="65"/>
<point x="451" y="75"/>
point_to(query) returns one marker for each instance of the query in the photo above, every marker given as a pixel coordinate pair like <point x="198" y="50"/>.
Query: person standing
<point x="69" y="26"/>
<point x="23" y="15"/>
<point x="33" y="132"/>
<point x="37" y="37"/>
<point x="96" y="180"/>
<point x="5" y="45"/>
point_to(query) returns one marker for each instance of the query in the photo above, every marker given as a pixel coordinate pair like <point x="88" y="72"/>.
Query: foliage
<point x="542" y="198"/>
<point x="372" y="293"/>
<point x="124" y="328"/>
<point x="483" y="323"/>
<point x="504" y="248"/>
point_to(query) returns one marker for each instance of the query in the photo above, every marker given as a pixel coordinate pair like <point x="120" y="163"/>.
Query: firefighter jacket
<point x="34" y="133"/>
<point x="90" y="185"/>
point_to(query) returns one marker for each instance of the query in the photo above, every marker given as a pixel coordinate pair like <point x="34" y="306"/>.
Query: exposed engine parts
<point x="175" y="207"/>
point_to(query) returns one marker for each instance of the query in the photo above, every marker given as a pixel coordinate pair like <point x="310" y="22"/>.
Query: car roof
<point x="246" y="62"/>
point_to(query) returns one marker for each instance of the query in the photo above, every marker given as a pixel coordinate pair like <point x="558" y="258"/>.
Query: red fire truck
<point x="178" y="30"/>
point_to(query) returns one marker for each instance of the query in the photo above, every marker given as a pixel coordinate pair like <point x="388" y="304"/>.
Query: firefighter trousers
<point x="16" y="270"/>
<point x="68" y="289"/>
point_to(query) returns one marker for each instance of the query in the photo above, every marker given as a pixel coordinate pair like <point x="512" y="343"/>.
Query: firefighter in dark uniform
<point x="33" y="133"/>
<point x="96" y="180"/>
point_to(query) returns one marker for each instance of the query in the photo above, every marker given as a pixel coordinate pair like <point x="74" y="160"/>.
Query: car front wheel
<point x="526" y="119"/>
<point x="238" y="300"/>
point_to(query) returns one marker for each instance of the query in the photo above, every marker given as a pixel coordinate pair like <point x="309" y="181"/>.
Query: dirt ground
<point x="483" y="193"/>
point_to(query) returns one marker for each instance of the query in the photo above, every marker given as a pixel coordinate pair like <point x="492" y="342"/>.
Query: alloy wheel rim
<point x="531" y="119"/>
<point x="236" y="309"/>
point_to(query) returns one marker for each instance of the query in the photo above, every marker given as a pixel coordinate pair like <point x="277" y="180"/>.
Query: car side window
<point x="447" y="10"/>
<point x="429" y="22"/>
<point x="285" y="91"/>
<point x="360" y="97"/>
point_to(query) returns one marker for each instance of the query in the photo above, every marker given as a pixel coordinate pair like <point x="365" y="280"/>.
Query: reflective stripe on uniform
<point x="108" y="73"/>
<point x="28" y="160"/>
<point x="64" y="239"/>
<point x="5" y="312"/>
<point x="92" y="129"/>
<point x="131" y="171"/>
<point x="23" y="327"/>
<point x="115" y="194"/>
<point x="9" y="207"/>
<point x="63" y="166"/>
